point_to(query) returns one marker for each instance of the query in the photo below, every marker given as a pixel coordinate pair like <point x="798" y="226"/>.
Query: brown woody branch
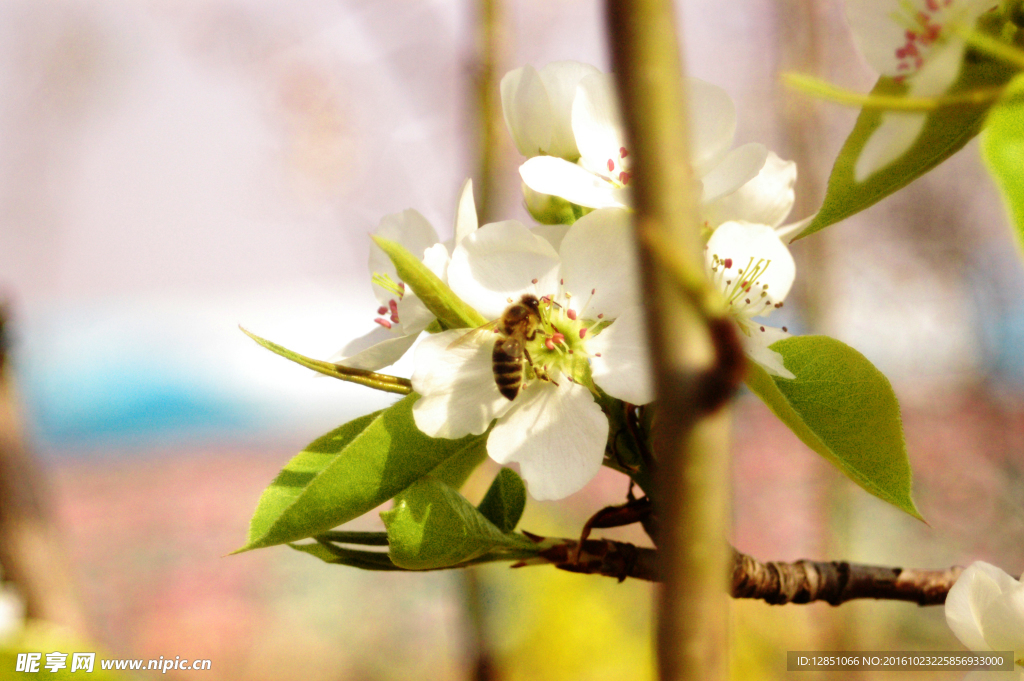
<point x="777" y="583"/>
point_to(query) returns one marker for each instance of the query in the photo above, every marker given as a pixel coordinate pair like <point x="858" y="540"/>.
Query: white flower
<point x="911" y="40"/>
<point x="538" y="105"/>
<point x="591" y="332"/>
<point x="402" y="315"/>
<point x="985" y="610"/>
<point x="601" y="177"/>
<point x="754" y="270"/>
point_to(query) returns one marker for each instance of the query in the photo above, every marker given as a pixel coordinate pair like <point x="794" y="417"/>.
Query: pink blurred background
<point x="171" y="170"/>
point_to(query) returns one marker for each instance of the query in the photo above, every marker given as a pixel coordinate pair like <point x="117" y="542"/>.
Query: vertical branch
<point x="31" y="551"/>
<point x="691" y="442"/>
<point x="489" y="123"/>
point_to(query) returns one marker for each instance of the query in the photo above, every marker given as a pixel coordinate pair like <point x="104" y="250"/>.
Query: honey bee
<point x="517" y="324"/>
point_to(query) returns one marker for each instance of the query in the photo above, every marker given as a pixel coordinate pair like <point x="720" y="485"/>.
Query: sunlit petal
<point x="527" y="110"/>
<point x="599" y="263"/>
<point x="620" y="359"/>
<point x="560" y="80"/>
<point x="557" y="434"/>
<point x="712" y="124"/>
<point x="739" y="167"/>
<point x="767" y="199"/>
<point x="550" y="175"/>
<point x="500" y="262"/>
<point x="378" y="349"/>
<point x="456" y="384"/>
<point x="466" y="220"/>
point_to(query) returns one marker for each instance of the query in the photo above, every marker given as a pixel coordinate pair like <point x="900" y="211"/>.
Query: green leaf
<point x="505" y="500"/>
<point x="1002" y="147"/>
<point x="843" y="408"/>
<point x="391" y="384"/>
<point x="339" y="555"/>
<point x="435" y="294"/>
<point x="946" y="131"/>
<point x="348" y="472"/>
<point x="433" y="526"/>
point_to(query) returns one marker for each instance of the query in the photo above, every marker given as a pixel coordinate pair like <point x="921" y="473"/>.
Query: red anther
<point x="571" y="314"/>
<point x="558" y="337"/>
<point x="593" y="291"/>
<point x="561" y="282"/>
<point x="393" y="304"/>
<point x="748" y="301"/>
<point x="601" y="316"/>
<point x="624" y="177"/>
<point x="597" y="354"/>
<point x="745" y="286"/>
<point x="611" y="165"/>
<point x="583" y="333"/>
<point x="762" y="328"/>
<point x="785" y="329"/>
<point x="727" y="262"/>
<point x="382" y="309"/>
<point x="549" y="344"/>
<point x="932" y="5"/>
<point x="394" y="318"/>
<point x="383" y="322"/>
<point x="622" y="152"/>
<point x="533" y="281"/>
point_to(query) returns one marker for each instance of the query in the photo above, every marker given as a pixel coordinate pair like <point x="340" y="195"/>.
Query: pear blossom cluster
<point x="912" y="41"/>
<point x="589" y="340"/>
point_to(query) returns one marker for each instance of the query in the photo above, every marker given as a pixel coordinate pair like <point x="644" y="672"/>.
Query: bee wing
<point x="474" y="334"/>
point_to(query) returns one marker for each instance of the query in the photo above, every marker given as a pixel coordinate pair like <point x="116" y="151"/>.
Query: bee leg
<point x="536" y="370"/>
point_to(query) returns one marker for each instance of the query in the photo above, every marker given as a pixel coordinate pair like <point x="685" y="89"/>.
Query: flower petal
<point x="976" y="589"/>
<point x="556" y="176"/>
<point x="756" y="347"/>
<point x="466" y="220"/>
<point x="1003" y="620"/>
<point x="740" y="166"/>
<point x="746" y="243"/>
<point x="556" y="433"/>
<point x="599" y="255"/>
<point x="498" y="263"/>
<point x="596" y="123"/>
<point x="456" y="384"/>
<point x="560" y="80"/>
<point x="712" y="124"/>
<point x="411" y="230"/>
<point x="897" y="131"/>
<point x="553" y="233"/>
<point x="378" y="349"/>
<point x="527" y="110"/>
<point x="897" y="37"/>
<point x="620" y="360"/>
<point x="766" y="199"/>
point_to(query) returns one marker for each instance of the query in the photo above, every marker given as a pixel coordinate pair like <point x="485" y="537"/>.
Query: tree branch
<point x="837" y="582"/>
<point x="776" y="583"/>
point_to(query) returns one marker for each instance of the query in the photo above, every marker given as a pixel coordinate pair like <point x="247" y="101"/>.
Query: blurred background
<point x="169" y="171"/>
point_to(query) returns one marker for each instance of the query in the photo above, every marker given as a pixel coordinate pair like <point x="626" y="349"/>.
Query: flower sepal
<point x="436" y="295"/>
